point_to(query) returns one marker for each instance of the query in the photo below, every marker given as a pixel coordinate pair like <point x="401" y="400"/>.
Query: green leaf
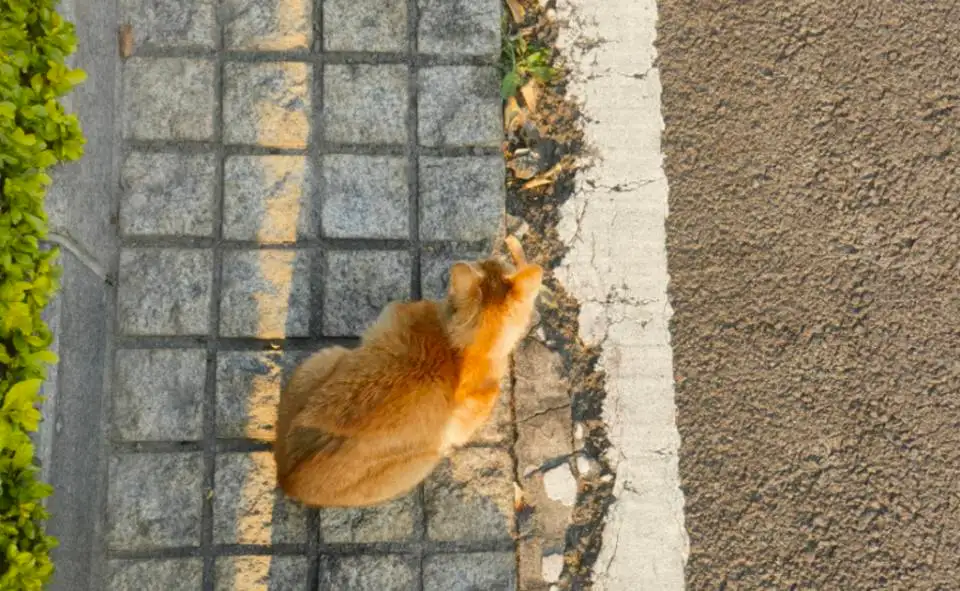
<point x="510" y="84"/>
<point x="75" y="77"/>
<point x="40" y="490"/>
<point x="48" y="357"/>
<point x="23" y="455"/>
<point x="30" y="419"/>
<point x="46" y="159"/>
<point x="542" y="73"/>
<point x="6" y="430"/>
<point x="23" y="139"/>
<point x="21" y="395"/>
<point x="36" y="223"/>
<point x="36" y="134"/>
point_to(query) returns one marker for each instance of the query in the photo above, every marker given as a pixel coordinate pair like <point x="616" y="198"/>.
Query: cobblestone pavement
<point x="288" y="169"/>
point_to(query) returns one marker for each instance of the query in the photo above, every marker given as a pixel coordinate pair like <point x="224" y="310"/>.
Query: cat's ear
<point x="527" y="281"/>
<point x="516" y="252"/>
<point x="464" y="280"/>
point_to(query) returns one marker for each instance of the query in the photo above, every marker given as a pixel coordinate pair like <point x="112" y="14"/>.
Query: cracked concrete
<point x="615" y="266"/>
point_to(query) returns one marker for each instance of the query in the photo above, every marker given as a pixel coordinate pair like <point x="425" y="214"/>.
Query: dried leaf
<point x="518" y="498"/>
<point x="126" y="41"/>
<point x="545" y="178"/>
<point x="513" y="115"/>
<point x="517" y="11"/>
<point x="531" y="94"/>
<point x="540" y="181"/>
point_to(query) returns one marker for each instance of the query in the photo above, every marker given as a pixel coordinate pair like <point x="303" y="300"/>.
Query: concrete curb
<point x="616" y="267"/>
<point x="81" y="208"/>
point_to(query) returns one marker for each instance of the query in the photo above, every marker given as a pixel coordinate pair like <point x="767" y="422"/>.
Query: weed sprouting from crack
<point x="522" y="58"/>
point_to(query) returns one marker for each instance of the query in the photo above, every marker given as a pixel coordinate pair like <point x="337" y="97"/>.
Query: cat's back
<point x="411" y="338"/>
<point x="405" y="367"/>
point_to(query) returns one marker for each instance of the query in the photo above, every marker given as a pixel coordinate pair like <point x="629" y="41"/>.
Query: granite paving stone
<point x="459" y="106"/>
<point x="261" y="573"/>
<point x="248" y="391"/>
<point x="389" y="522"/>
<point x="489" y="571"/>
<point x="365" y="197"/>
<point x="248" y="508"/>
<point x="538" y="566"/>
<point x="267" y="25"/>
<point x="357" y="286"/>
<point x="540" y="385"/>
<point x="265" y="294"/>
<point x="154" y="501"/>
<point x="368" y="573"/>
<point x="365" y="104"/>
<point x="470" y="496"/>
<point x="364" y="25"/>
<point x="267" y="104"/>
<point x="550" y="511"/>
<point x="158" y="394"/>
<point x="461" y="198"/>
<point x="270" y="150"/>
<point x="164" y="24"/>
<point x="459" y="27"/>
<point x="168" y="98"/>
<point x="167" y="194"/>
<point x="179" y="574"/>
<point x="542" y="438"/>
<point x="269" y="199"/>
<point x="164" y="291"/>
<point x="543" y="447"/>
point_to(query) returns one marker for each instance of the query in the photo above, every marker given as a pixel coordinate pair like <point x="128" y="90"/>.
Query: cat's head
<point x="490" y="302"/>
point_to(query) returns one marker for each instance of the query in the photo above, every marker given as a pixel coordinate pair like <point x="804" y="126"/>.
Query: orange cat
<point x="359" y="427"/>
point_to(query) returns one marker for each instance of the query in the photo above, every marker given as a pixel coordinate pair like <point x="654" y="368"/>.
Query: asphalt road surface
<point x="813" y="248"/>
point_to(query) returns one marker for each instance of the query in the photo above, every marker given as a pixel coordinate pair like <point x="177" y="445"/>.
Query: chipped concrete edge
<point x="616" y="267"/>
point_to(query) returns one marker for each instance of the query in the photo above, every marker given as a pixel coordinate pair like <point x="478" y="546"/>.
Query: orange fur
<point x="359" y="427"/>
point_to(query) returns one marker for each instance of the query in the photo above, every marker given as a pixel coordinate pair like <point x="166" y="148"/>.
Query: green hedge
<point x="35" y="134"/>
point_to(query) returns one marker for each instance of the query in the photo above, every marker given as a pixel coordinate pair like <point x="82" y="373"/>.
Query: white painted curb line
<point x="616" y="267"/>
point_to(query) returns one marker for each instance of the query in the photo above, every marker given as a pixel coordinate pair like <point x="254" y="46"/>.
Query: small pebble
<point x="551" y="566"/>
<point x="560" y="485"/>
<point x="587" y="466"/>
<point x="578" y="431"/>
